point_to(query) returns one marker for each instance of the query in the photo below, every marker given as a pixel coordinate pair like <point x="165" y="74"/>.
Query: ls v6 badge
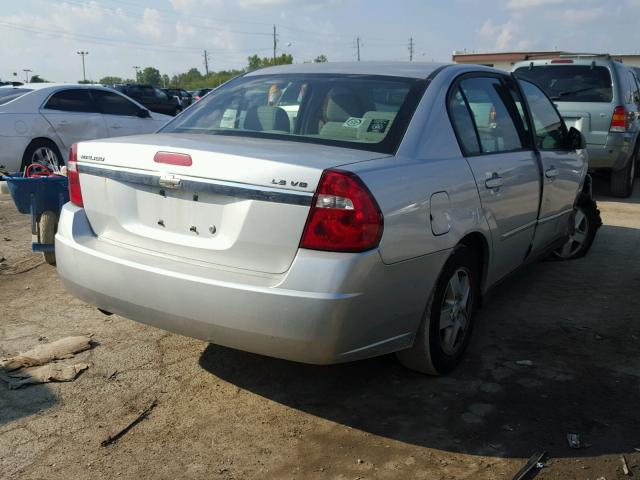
<point x="284" y="183"/>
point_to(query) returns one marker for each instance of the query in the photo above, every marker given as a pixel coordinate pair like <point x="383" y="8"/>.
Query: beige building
<point x="506" y="60"/>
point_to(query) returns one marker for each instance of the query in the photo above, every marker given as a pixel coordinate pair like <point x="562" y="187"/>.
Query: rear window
<point x="8" y="94"/>
<point x="354" y="111"/>
<point x="571" y="83"/>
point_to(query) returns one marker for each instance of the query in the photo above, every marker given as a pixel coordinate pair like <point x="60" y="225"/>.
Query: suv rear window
<point x="354" y="111"/>
<point x="571" y="83"/>
<point x="8" y="94"/>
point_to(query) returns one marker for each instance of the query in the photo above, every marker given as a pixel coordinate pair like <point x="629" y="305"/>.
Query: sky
<point x="171" y="35"/>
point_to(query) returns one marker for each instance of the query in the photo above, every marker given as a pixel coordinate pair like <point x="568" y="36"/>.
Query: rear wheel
<point x="44" y="152"/>
<point x="622" y="180"/>
<point x="47" y="226"/>
<point x="446" y="328"/>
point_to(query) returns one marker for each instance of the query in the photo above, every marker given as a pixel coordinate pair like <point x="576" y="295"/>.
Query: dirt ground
<point x="231" y="415"/>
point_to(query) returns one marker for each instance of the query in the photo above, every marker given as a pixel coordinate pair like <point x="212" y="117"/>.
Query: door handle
<point x="496" y="181"/>
<point x="551" y="172"/>
<point x="116" y="126"/>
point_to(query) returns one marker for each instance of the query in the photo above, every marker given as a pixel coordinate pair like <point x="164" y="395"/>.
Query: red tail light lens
<point x="172" y="158"/>
<point x="619" y="120"/>
<point x="75" y="193"/>
<point x="344" y="216"/>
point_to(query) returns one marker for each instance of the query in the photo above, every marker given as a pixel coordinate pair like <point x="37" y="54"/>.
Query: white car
<point x="40" y="121"/>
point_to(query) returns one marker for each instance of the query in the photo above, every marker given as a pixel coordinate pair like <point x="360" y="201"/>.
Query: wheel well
<point x="39" y="139"/>
<point x="478" y="243"/>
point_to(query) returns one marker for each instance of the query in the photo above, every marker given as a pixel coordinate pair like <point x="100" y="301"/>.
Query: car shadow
<point x="23" y="402"/>
<point x="555" y="351"/>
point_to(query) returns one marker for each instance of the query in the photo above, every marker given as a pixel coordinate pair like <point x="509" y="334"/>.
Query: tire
<point x="47" y="227"/>
<point x="35" y="149"/>
<point x="437" y="349"/>
<point x="622" y="180"/>
<point x="177" y="111"/>
<point x="587" y="222"/>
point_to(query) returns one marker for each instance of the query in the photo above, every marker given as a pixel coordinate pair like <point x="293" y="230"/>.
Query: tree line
<point x="194" y="79"/>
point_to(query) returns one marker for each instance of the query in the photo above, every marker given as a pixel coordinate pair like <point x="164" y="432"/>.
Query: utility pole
<point x="206" y="62"/>
<point x="411" y="45"/>
<point x="26" y="74"/>
<point x="136" y="68"/>
<point x="83" y="54"/>
<point x="275" y="44"/>
<point x="358" y="47"/>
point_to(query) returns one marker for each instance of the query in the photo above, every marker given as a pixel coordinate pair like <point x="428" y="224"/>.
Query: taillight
<point x="172" y="158"/>
<point x="493" y="115"/>
<point x="619" y="120"/>
<point x="344" y="216"/>
<point x="75" y="193"/>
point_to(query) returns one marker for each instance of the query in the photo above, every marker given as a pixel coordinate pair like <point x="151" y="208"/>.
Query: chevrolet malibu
<point x="325" y="213"/>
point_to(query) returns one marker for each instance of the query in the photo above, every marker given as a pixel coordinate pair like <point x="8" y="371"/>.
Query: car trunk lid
<point x="241" y="203"/>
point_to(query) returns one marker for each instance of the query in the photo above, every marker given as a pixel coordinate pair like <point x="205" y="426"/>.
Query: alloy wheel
<point x="578" y="238"/>
<point x="455" y="311"/>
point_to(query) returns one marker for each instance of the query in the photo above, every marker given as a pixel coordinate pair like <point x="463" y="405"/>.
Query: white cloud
<point x="150" y="23"/>
<point x="521" y="4"/>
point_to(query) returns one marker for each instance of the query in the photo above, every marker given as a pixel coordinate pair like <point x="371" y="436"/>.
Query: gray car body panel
<point x="324" y="307"/>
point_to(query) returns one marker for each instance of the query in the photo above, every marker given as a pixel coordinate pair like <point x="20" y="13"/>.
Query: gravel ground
<point x="231" y="415"/>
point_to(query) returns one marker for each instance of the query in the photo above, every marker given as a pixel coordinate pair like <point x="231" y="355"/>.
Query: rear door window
<point x="550" y="130"/>
<point x="113" y="104"/>
<point x="498" y="123"/>
<point x="571" y="83"/>
<point x="463" y="124"/>
<point x="72" y="100"/>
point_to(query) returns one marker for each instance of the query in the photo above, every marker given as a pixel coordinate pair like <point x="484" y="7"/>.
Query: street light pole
<point x="84" y="75"/>
<point x="26" y="71"/>
<point x="136" y="68"/>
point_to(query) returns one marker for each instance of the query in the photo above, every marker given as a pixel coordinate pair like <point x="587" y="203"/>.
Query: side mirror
<point x="144" y="113"/>
<point x="576" y="140"/>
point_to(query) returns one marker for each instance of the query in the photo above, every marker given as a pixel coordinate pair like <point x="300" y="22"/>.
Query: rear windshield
<point x="571" y="83"/>
<point x="353" y="111"/>
<point x="8" y="94"/>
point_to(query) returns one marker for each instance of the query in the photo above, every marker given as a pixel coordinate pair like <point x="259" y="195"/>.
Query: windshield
<point x="571" y="83"/>
<point x="354" y="111"/>
<point x="8" y="94"/>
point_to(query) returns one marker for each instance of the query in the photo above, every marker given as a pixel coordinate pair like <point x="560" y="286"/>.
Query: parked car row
<point x="39" y="122"/>
<point x="601" y="97"/>
<point x="330" y="212"/>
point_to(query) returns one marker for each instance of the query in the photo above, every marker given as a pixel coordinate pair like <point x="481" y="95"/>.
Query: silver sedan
<point x="329" y="212"/>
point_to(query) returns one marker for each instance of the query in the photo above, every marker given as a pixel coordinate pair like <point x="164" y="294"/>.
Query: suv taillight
<point x="344" y="216"/>
<point x="619" y="120"/>
<point x="75" y="194"/>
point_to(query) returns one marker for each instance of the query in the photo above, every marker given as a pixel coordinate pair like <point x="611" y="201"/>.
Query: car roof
<point x="393" y="69"/>
<point x="42" y="86"/>
<point x="599" y="61"/>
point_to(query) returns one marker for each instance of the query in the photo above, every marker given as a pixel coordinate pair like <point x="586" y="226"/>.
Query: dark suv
<point x="184" y="98"/>
<point x="152" y="98"/>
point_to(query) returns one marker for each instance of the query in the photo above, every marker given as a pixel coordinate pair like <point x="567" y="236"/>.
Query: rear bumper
<point x="328" y="308"/>
<point x="612" y="155"/>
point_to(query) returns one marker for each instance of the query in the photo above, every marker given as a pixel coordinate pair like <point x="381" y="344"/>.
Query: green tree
<point x="321" y="58"/>
<point x="110" y="80"/>
<point x="37" y="79"/>
<point x="150" y="76"/>
<point x="256" y="62"/>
